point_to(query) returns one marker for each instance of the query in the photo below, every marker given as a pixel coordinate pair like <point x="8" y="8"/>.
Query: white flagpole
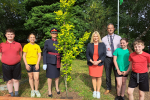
<point x="118" y="16"/>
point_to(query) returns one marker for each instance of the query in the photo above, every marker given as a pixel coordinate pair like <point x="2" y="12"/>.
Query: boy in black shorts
<point x="139" y="60"/>
<point x="10" y="56"/>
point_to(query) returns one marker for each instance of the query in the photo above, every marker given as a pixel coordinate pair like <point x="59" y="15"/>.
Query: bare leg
<point x="141" y="95"/>
<point x="36" y="80"/>
<point x="31" y="80"/>
<point x="49" y="80"/>
<point x="99" y="82"/>
<point x="123" y="86"/>
<point x="16" y="84"/>
<point x="94" y="83"/>
<point x="10" y="85"/>
<point x="56" y="84"/>
<point x="119" y="85"/>
<point x="130" y="93"/>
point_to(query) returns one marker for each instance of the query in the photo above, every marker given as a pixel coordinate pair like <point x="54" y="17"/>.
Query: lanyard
<point x="108" y="39"/>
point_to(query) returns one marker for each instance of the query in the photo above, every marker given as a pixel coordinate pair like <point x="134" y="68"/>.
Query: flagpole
<point x="118" y="16"/>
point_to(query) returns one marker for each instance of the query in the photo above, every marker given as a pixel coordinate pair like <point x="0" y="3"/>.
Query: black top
<point x="101" y="53"/>
<point x="49" y="47"/>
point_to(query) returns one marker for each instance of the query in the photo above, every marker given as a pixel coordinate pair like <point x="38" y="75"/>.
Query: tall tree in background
<point x="41" y="18"/>
<point x="12" y="15"/>
<point x="134" y="18"/>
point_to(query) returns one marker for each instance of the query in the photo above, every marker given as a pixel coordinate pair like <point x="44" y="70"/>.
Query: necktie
<point x="112" y="45"/>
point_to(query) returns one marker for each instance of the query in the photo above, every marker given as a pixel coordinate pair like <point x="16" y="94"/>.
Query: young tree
<point x="67" y="40"/>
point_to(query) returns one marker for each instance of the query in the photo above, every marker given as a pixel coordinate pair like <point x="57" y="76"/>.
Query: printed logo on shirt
<point x="34" y="48"/>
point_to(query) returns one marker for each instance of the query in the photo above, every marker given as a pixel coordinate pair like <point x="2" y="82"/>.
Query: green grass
<point x="81" y="83"/>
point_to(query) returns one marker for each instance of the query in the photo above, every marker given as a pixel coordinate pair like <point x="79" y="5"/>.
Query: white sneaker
<point x="98" y="95"/>
<point x="37" y="93"/>
<point x="32" y="93"/>
<point x="94" y="94"/>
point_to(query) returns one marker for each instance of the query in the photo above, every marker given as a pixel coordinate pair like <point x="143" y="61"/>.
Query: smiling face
<point x="138" y="48"/>
<point x="32" y="38"/>
<point x="10" y="36"/>
<point x="95" y="38"/>
<point x="123" y="44"/>
<point x="110" y="29"/>
<point x="54" y="35"/>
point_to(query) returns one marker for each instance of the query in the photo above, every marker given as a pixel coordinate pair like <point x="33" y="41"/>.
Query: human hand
<point x="125" y="73"/>
<point x="36" y="66"/>
<point x="119" y="72"/>
<point x="148" y="69"/>
<point x="97" y="62"/>
<point x="44" y="66"/>
<point x="28" y="67"/>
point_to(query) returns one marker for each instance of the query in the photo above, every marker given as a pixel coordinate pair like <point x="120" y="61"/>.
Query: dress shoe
<point x="122" y="98"/>
<point x="118" y="98"/>
<point x="50" y="95"/>
<point x="58" y="92"/>
<point x="107" y="91"/>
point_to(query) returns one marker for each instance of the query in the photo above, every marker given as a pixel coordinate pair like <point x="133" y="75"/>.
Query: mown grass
<point x="81" y="83"/>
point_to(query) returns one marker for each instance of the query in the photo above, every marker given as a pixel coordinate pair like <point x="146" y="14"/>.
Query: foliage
<point x="97" y="16"/>
<point x="2" y="38"/>
<point x="134" y="18"/>
<point x="66" y="39"/>
<point x="12" y="15"/>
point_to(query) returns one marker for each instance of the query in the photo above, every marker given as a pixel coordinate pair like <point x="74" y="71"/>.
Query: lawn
<point x="79" y="88"/>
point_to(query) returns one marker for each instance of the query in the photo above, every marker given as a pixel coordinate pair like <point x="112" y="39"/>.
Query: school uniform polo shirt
<point x="139" y="62"/>
<point x="10" y="52"/>
<point x="32" y="51"/>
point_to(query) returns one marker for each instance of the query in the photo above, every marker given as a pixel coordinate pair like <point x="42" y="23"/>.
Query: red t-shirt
<point x="10" y="52"/>
<point x="139" y="62"/>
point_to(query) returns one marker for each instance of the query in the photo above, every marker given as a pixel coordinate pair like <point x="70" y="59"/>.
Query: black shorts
<point x="11" y="71"/>
<point x="32" y="69"/>
<point x="117" y="75"/>
<point x="142" y="82"/>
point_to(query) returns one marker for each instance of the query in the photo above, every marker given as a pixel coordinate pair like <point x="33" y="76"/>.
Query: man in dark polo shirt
<point x="10" y="56"/>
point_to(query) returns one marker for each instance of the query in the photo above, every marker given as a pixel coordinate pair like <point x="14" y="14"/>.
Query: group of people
<point x="110" y="52"/>
<point x="11" y="54"/>
<point x="113" y="52"/>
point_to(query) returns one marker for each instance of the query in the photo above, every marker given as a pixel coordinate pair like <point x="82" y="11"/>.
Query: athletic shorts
<point x="140" y="80"/>
<point x="32" y="69"/>
<point x="11" y="71"/>
<point x="117" y="75"/>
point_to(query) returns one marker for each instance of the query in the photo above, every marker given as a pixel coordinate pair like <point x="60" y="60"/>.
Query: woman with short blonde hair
<point x="96" y="53"/>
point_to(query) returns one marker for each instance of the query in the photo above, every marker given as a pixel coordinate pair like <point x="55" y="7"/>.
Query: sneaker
<point x="98" y="95"/>
<point x="37" y="93"/>
<point x="32" y="93"/>
<point x="94" y="94"/>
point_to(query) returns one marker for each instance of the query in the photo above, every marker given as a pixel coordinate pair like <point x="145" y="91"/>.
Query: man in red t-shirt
<point x="10" y="56"/>
<point x="139" y="60"/>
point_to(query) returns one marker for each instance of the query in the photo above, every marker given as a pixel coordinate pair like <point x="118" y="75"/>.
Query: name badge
<point x="108" y="49"/>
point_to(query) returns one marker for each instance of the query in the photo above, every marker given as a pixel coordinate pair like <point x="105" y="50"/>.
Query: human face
<point x="110" y="29"/>
<point x="138" y="48"/>
<point x="10" y="36"/>
<point x="54" y="35"/>
<point x="123" y="44"/>
<point x="95" y="38"/>
<point x="32" y="38"/>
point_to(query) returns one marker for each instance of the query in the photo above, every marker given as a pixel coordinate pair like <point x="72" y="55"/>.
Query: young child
<point x="32" y="57"/>
<point x="120" y="59"/>
<point x="140" y="64"/>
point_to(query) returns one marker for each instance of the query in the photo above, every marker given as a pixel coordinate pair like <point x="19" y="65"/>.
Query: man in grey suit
<point x="112" y="42"/>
